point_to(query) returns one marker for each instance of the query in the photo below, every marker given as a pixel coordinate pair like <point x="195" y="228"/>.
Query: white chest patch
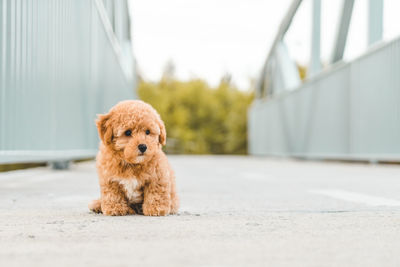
<point x="132" y="190"/>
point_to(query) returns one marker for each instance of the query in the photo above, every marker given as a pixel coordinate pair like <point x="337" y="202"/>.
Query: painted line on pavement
<point x="256" y="176"/>
<point x="357" y="197"/>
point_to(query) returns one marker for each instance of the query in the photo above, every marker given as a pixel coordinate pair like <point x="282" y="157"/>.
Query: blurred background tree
<point x="199" y="119"/>
<point x="302" y="71"/>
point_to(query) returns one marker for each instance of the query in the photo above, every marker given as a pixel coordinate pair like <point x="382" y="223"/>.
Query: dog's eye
<point x="147" y="132"/>
<point x="128" y="133"/>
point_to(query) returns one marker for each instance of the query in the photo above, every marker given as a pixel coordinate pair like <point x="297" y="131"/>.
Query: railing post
<point x="60" y="165"/>
<point x="375" y="21"/>
<point x="315" y="65"/>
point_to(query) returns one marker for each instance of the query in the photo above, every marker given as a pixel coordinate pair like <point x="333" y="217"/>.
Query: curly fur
<point x="133" y="182"/>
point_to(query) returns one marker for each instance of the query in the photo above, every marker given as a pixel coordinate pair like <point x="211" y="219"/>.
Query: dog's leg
<point x="113" y="201"/>
<point x="174" y="198"/>
<point x="157" y="198"/>
<point x="95" y="205"/>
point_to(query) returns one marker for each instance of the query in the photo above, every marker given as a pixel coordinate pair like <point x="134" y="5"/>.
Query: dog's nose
<point x="142" y="148"/>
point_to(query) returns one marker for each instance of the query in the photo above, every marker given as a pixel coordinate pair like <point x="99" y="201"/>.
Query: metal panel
<point x="60" y="64"/>
<point x="328" y="127"/>
<point x="375" y="108"/>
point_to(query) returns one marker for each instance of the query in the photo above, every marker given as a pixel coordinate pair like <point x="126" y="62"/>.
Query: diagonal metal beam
<point x="341" y="37"/>
<point x="279" y="36"/>
<point x="287" y="67"/>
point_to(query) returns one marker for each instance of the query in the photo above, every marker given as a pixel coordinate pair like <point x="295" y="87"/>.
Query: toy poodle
<point x="134" y="174"/>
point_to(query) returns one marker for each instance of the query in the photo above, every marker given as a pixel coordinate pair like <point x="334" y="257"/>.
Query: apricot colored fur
<point x="130" y="181"/>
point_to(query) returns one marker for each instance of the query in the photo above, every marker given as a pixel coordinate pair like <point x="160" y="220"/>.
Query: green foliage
<point x="19" y="166"/>
<point x="302" y="71"/>
<point x="200" y="119"/>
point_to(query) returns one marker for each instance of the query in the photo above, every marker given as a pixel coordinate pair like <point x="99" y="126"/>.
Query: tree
<point x="200" y="119"/>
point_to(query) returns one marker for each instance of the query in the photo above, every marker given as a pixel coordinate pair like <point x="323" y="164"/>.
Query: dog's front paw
<point x="116" y="210"/>
<point x="154" y="210"/>
<point x="95" y="206"/>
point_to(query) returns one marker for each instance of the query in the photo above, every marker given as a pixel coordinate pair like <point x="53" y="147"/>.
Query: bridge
<point x="313" y="192"/>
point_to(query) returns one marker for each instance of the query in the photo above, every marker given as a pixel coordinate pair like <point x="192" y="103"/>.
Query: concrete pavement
<point x="235" y="211"/>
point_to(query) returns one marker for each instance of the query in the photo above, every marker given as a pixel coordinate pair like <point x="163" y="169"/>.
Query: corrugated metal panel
<point x="375" y="105"/>
<point x="61" y="64"/>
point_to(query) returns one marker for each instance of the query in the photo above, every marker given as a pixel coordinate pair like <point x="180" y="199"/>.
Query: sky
<point x="210" y="38"/>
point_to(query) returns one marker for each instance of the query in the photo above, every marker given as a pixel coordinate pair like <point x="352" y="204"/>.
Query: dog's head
<point x="133" y="130"/>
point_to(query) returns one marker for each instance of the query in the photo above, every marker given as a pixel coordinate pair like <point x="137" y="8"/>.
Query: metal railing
<point x="61" y="63"/>
<point x="349" y="110"/>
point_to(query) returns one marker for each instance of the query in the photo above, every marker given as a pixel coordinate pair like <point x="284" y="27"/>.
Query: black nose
<point x="142" y="148"/>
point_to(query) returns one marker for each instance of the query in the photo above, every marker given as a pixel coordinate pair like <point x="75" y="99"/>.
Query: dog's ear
<point x="163" y="133"/>
<point x="104" y="128"/>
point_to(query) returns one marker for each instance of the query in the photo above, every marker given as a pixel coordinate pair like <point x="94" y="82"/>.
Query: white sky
<point x="208" y="38"/>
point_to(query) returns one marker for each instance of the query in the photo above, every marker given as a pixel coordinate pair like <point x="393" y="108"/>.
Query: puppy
<point x="134" y="174"/>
